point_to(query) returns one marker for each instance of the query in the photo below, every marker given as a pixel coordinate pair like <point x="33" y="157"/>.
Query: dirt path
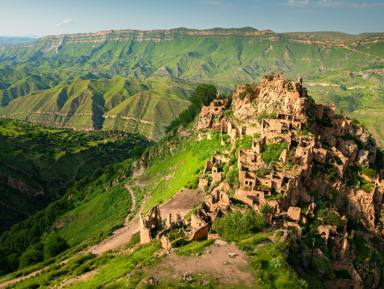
<point x="121" y="236"/>
<point x="133" y="205"/>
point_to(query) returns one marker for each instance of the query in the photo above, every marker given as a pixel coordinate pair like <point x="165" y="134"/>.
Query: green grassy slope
<point x="38" y="164"/>
<point x="72" y="217"/>
<point x="120" y="103"/>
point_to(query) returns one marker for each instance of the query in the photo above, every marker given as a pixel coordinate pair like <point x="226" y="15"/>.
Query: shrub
<point x="369" y="172"/>
<point x="266" y="115"/>
<point x="266" y="209"/>
<point x="246" y="142"/>
<point x="235" y="224"/>
<point x="203" y="95"/>
<point x="233" y="175"/>
<point x="363" y="248"/>
<point x="342" y="274"/>
<point x="54" y="246"/>
<point x="82" y="269"/>
<point x="242" y="95"/>
<point x="338" y="160"/>
<point x="30" y="257"/>
<point x="273" y="151"/>
<point x="278" y="235"/>
<point x="303" y="131"/>
<point x="138" y="151"/>
<point x="332" y="219"/>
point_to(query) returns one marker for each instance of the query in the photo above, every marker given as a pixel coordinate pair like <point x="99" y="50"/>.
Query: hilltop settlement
<point x="306" y="169"/>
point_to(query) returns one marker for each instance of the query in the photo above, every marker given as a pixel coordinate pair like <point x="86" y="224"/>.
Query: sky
<point x="50" y="17"/>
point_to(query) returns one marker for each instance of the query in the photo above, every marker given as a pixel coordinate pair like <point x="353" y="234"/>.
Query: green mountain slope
<point x="223" y="56"/>
<point x="37" y="164"/>
<point x="93" y="104"/>
<point x="215" y="54"/>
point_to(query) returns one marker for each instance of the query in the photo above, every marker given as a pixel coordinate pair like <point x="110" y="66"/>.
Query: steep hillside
<point x="297" y="187"/>
<point x="38" y="164"/>
<point x="350" y="66"/>
<point x="146" y="107"/>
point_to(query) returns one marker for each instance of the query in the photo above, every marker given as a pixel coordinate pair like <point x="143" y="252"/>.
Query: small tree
<point x="54" y="246"/>
<point x="266" y="209"/>
<point x="332" y="219"/>
<point x="203" y="95"/>
<point x="236" y="224"/>
<point x="30" y="257"/>
<point x="138" y="151"/>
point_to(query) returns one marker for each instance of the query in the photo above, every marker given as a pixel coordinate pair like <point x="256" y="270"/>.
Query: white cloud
<point x="213" y="2"/>
<point x="296" y="3"/>
<point x="330" y="3"/>
<point x="64" y="22"/>
<point x="218" y="3"/>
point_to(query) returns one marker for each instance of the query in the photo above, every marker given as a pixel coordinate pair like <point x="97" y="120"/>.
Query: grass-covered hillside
<point x="225" y="56"/>
<point x="146" y="107"/>
<point x="87" y="213"/>
<point x="38" y="164"/>
<point x="68" y="80"/>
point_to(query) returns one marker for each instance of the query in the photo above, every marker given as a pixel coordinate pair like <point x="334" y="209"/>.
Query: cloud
<point x="213" y="2"/>
<point x="64" y="22"/>
<point x="218" y="3"/>
<point x="330" y="3"/>
<point x="295" y="3"/>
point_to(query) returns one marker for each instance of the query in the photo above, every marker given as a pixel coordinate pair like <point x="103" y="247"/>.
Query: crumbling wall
<point x="148" y="223"/>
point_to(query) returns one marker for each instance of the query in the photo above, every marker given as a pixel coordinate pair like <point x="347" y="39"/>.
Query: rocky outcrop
<point x="323" y="158"/>
<point x="19" y="185"/>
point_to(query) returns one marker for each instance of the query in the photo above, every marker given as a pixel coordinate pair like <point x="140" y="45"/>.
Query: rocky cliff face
<point x="19" y="185"/>
<point x="56" y="41"/>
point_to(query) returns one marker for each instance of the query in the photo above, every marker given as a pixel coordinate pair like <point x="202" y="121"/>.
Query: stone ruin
<point x="314" y="137"/>
<point x="216" y="205"/>
<point x="149" y="224"/>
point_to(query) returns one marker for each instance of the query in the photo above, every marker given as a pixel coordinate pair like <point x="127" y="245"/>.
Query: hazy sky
<point x="45" y="17"/>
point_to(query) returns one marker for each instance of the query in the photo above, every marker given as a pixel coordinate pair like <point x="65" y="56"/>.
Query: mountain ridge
<point x="353" y="65"/>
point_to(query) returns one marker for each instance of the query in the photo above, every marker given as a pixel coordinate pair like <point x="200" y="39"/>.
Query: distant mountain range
<point x="345" y="69"/>
<point x="13" y="40"/>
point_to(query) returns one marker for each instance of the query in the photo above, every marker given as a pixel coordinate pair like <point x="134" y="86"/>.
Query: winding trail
<point x="121" y="236"/>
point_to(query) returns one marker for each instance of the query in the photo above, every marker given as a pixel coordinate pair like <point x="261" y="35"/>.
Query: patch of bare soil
<point x="181" y="203"/>
<point x="217" y="263"/>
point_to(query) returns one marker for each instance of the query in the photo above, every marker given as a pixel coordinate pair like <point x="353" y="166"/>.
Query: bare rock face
<point x="19" y="185"/>
<point x="348" y="148"/>
<point x="363" y="158"/>
<point x="273" y="95"/>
